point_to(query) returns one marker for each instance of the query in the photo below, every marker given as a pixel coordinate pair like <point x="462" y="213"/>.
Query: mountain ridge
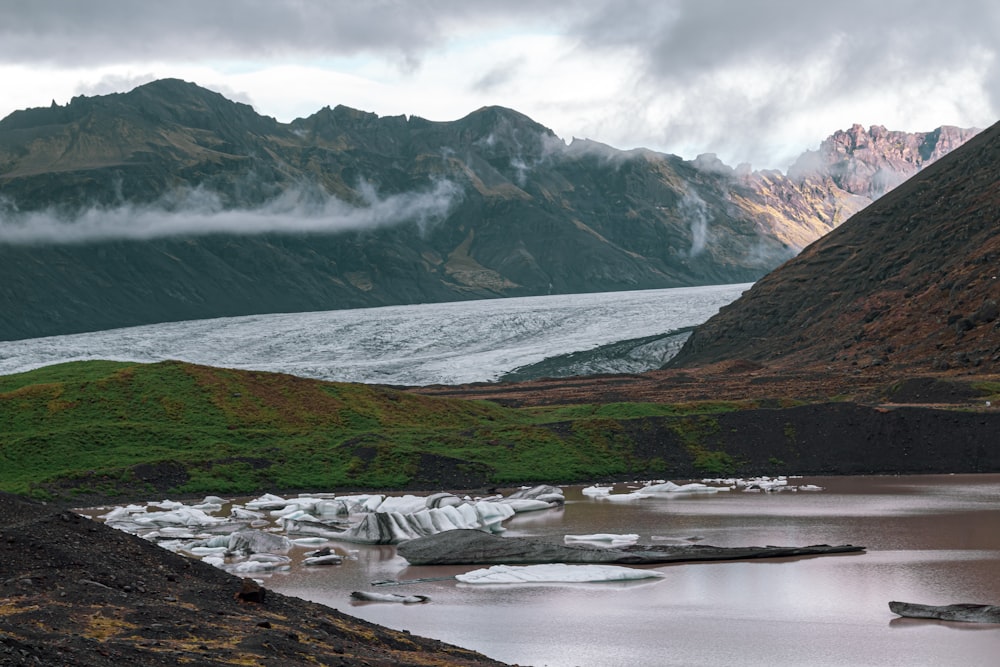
<point x="195" y="206"/>
<point x="908" y="284"/>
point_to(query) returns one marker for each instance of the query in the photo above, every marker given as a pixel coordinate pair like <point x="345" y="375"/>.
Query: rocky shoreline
<point x="76" y="592"/>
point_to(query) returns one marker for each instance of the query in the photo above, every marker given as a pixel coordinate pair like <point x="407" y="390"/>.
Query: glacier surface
<point x="443" y="343"/>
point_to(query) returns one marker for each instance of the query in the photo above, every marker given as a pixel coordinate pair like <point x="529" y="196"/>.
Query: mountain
<point x="869" y="163"/>
<point x="171" y="202"/>
<point x="912" y="282"/>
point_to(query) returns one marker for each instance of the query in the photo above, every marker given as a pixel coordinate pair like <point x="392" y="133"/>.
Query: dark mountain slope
<point x="912" y="282"/>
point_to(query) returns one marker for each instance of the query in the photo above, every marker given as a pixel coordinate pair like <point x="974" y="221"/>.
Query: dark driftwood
<point x="964" y="612"/>
<point x="474" y="547"/>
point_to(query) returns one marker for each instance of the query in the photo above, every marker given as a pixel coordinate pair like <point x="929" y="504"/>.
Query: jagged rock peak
<point x="871" y="162"/>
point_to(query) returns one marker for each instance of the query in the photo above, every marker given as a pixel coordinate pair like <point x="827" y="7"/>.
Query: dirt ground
<point x="733" y="380"/>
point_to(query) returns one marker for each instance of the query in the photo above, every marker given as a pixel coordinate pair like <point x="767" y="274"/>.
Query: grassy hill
<point x="99" y="429"/>
<point x="112" y="427"/>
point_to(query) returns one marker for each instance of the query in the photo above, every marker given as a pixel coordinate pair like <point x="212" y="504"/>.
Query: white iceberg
<point x="328" y="559"/>
<point x="257" y="542"/>
<point x="181" y="516"/>
<point x="393" y="527"/>
<point x="610" y="539"/>
<point x="554" y="573"/>
<point x="267" y="502"/>
<point x="365" y="596"/>
<point x="623" y="497"/>
<point x="669" y="488"/>
<point x="526" y="504"/>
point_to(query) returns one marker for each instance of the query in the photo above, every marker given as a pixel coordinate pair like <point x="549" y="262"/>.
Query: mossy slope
<point x="99" y="429"/>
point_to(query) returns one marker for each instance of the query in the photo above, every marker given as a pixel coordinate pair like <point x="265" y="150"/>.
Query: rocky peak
<point x="189" y="105"/>
<point x="871" y="162"/>
<point x="909" y="282"/>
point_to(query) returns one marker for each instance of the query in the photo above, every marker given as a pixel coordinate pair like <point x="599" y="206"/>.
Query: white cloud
<point x="200" y="212"/>
<point x="757" y="81"/>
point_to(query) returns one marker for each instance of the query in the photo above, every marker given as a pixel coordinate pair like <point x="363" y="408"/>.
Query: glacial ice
<point x="606" y="539"/>
<point x="669" y="488"/>
<point x="314" y="520"/>
<point x="482" y="340"/>
<point x="554" y="573"/>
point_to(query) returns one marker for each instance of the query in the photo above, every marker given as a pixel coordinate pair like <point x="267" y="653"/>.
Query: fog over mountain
<point x="171" y="202"/>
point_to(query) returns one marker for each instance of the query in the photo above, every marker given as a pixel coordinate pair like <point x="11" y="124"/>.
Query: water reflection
<point x="932" y="540"/>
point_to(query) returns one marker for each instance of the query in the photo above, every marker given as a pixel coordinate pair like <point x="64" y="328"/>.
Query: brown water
<point x="933" y="540"/>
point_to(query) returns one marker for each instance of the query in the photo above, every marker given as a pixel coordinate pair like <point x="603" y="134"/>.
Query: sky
<point x="754" y="81"/>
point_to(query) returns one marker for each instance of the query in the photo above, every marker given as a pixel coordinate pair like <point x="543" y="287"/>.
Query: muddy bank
<point x="823" y="439"/>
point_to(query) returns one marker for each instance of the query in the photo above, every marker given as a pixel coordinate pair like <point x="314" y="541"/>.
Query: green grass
<point x="990" y="391"/>
<point x="86" y="426"/>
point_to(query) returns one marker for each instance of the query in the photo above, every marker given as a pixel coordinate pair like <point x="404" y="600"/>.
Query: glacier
<point x="442" y="343"/>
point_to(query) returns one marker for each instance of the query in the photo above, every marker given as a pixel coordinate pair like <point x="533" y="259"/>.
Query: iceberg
<point x="544" y="492"/>
<point x="394" y="527"/>
<point x="258" y="542"/>
<point x="365" y="596"/>
<point x="669" y="488"/>
<point x="526" y="504"/>
<point x="181" y="516"/>
<point x="603" y="538"/>
<point x="267" y="502"/>
<point x="328" y="559"/>
<point x="554" y="573"/>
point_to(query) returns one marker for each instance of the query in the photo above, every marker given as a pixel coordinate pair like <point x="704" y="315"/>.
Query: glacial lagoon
<point x="929" y="539"/>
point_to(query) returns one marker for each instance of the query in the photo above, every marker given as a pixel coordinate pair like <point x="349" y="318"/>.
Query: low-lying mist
<point x="199" y="211"/>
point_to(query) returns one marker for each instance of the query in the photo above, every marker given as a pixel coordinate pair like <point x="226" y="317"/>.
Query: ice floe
<point x="554" y="573"/>
<point x="365" y="596"/>
<point x="667" y="489"/>
<point x="603" y="539"/>
<point x="242" y="537"/>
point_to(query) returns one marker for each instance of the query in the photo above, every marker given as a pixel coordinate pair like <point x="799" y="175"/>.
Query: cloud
<point x="733" y="81"/>
<point x="757" y="81"/>
<point x="107" y="31"/>
<point x="500" y="75"/>
<point x="695" y="211"/>
<point x="199" y="212"/>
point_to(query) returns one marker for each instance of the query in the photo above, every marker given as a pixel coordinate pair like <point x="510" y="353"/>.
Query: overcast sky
<point x="755" y="81"/>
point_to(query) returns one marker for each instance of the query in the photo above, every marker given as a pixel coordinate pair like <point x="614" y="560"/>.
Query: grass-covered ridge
<point x="102" y="428"/>
<point x="118" y="427"/>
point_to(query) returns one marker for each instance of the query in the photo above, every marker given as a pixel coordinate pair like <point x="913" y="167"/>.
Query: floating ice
<point x="315" y="520"/>
<point x="257" y="542"/>
<point x="610" y="539"/>
<point x="669" y="488"/>
<point x="554" y="573"/>
<point x="329" y="559"/>
<point x="268" y="501"/>
<point x="180" y="516"/>
<point x="526" y="504"/>
<point x="365" y="596"/>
